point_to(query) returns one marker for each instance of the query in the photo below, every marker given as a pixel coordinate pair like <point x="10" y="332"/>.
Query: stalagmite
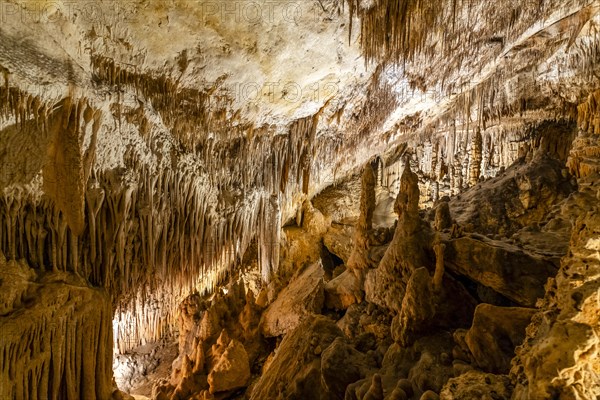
<point x="406" y="251"/>
<point x="582" y="159"/>
<point x="476" y="158"/>
<point x="64" y="171"/>
<point x="359" y="258"/>
<point x="439" y="266"/>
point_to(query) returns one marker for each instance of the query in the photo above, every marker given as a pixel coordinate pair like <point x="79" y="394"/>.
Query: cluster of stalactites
<point x="58" y="345"/>
<point x="146" y="318"/>
<point x="484" y="58"/>
<point x="170" y="227"/>
<point x="413" y="31"/>
<point x="583" y="159"/>
<point x="588" y="117"/>
<point x="62" y="127"/>
<point x="166" y="232"/>
<point x="452" y="160"/>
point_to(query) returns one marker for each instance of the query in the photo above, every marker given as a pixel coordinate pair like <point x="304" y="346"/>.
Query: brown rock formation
<point x="304" y="296"/>
<point x="159" y="162"/>
<point x="341" y="292"/>
<point x="386" y="285"/>
<point x="358" y="262"/>
<point x="494" y="335"/>
<point x="477" y="385"/>
<point x="505" y="268"/>
<point x="556" y="358"/>
<point x="231" y="369"/>
<point x="295" y="372"/>
<point x="341" y="365"/>
<point x="432" y="303"/>
<point x="44" y="351"/>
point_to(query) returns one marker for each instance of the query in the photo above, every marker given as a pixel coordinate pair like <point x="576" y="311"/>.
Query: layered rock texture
<point x="331" y="199"/>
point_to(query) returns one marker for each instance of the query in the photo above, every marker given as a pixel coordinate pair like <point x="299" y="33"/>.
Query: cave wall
<point x="55" y="335"/>
<point x="559" y="356"/>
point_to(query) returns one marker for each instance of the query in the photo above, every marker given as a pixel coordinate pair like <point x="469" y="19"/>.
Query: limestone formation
<point x="231" y="370"/>
<point x="304" y="296"/>
<point x="431" y="303"/>
<point x="342" y="291"/>
<point x="398" y="394"/>
<point x="358" y="262"/>
<point x="45" y="353"/>
<point x="556" y="358"/>
<point x="477" y="385"/>
<point x="375" y="391"/>
<point x="386" y="285"/>
<point x="341" y="365"/>
<point x="332" y="199"/>
<point x="521" y="197"/>
<point x="505" y="268"/>
<point x="476" y="158"/>
<point x="443" y="218"/>
<point x="495" y="333"/>
<point x="338" y="240"/>
<point x="583" y="159"/>
<point x="295" y="371"/>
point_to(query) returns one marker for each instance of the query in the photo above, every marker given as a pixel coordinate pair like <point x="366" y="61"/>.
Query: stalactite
<point x="57" y="347"/>
<point x="582" y="160"/>
<point x="159" y="235"/>
<point x="588" y="116"/>
<point x="489" y="149"/>
<point x="154" y="231"/>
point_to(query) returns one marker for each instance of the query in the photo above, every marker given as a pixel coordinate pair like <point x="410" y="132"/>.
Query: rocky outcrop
<point x="558" y="358"/>
<point x="341" y="365"/>
<point x="430" y="304"/>
<point x="520" y="197"/>
<point x="338" y="240"/>
<point x="494" y="335"/>
<point x="295" y="372"/>
<point x="423" y="366"/>
<point x="505" y="268"/>
<point x="477" y="385"/>
<point x="219" y="340"/>
<point x="342" y="291"/>
<point x="231" y="368"/>
<point x="304" y="296"/>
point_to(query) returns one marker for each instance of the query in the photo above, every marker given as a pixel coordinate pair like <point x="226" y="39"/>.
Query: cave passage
<point x="329" y="200"/>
